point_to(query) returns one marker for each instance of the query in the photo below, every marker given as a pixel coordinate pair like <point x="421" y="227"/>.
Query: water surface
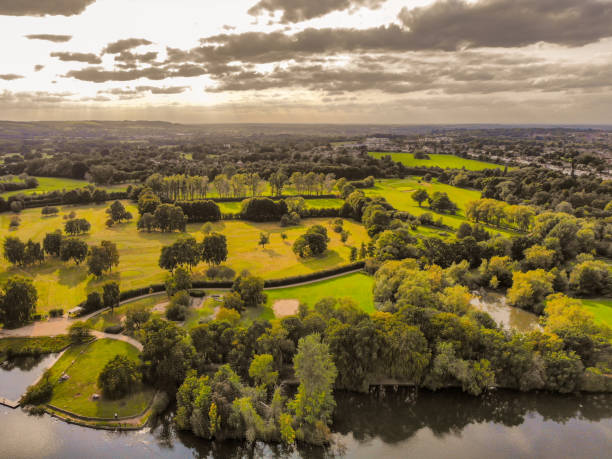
<point x="18" y="373"/>
<point x="508" y="317"/>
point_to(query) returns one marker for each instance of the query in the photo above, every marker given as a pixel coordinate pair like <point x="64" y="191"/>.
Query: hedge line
<point x="282" y="282"/>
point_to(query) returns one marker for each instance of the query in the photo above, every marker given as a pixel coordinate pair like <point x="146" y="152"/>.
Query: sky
<point x="307" y="61"/>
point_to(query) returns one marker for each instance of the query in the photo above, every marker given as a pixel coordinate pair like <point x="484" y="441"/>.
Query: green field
<point x="398" y="192"/>
<point x="63" y="285"/>
<point x="47" y="184"/>
<point x="75" y="394"/>
<point x="442" y="161"/>
<point x="601" y="309"/>
<point x="357" y="286"/>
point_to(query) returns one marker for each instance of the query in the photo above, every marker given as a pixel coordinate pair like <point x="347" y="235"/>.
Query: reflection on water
<point x="401" y="424"/>
<point x="505" y="315"/>
<point x="18" y="373"/>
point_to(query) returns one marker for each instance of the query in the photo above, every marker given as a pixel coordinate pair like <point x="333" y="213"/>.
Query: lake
<point x="505" y="315"/>
<point x="18" y="373"/>
<point x="401" y="424"/>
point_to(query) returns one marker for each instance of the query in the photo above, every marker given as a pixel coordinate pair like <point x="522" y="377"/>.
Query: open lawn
<point x="357" y="286"/>
<point x="64" y="285"/>
<point x="47" y="184"/>
<point x="601" y="309"/>
<point x="398" y="193"/>
<point x="323" y="203"/>
<point x="442" y="161"/>
<point x="75" y="394"/>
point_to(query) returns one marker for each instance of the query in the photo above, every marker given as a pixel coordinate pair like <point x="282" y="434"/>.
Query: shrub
<point x="114" y="329"/>
<point x="197" y="293"/>
<point x="93" y="302"/>
<point x="15" y="222"/>
<point x="118" y="377"/>
<point x="220" y="272"/>
<point x="56" y="312"/>
<point x="79" y="332"/>
<point x="177" y="310"/>
<point x="39" y="393"/>
<point x="292" y="219"/>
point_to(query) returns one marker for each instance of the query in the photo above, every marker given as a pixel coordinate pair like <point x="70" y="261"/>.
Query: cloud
<point x="43" y="7"/>
<point x="124" y="45"/>
<point x="453" y="24"/>
<point x="302" y="10"/>
<point x="77" y="57"/>
<point x="100" y="75"/>
<point x="10" y="76"/>
<point x="166" y="90"/>
<point x="38" y="67"/>
<point x="50" y="37"/>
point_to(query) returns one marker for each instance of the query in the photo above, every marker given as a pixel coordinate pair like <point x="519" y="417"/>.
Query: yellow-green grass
<point x="442" y="161"/>
<point x="43" y="344"/>
<point x="115" y="317"/>
<point x="398" y="192"/>
<point x="601" y="309"/>
<point x="64" y="285"/>
<point x="357" y="286"/>
<point x="322" y="203"/>
<point x="48" y="184"/>
<point x="75" y="394"/>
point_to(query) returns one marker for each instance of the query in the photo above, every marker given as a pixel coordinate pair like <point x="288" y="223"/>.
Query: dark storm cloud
<point x="10" y="76"/>
<point x="77" y="57"/>
<point x="43" y="7"/>
<point x="451" y="24"/>
<point x="301" y="10"/>
<point x="124" y="45"/>
<point x="50" y="37"/>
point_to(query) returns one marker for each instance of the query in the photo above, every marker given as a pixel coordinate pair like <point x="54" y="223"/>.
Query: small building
<point x="74" y="312"/>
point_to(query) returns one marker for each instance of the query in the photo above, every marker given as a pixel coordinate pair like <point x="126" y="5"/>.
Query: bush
<point x="93" y="302"/>
<point x="263" y="209"/>
<point x="79" y="332"/>
<point x="39" y="393"/>
<point x="118" y="377"/>
<point x="177" y="310"/>
<point x="15" y="222"/>
<point x="197" y="293"/>
<point x="114" y="329"/>
<point x="220" y="272"/>
<point x="292" y="219"/>
<point x="56" y="312"/>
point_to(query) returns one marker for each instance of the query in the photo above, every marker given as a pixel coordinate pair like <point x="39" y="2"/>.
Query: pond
<point x="18" y="373"/>
<point x="505" y="315"/>
<point x="401" y="424"/>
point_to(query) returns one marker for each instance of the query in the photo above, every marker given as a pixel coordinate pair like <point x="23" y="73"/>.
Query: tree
<point x="79" y="332"/>
<point x="73" y="249"/>
<point x="93" y="302"/>
<point x="146" y="222"/>
<point x="184" y="251"/>
<point x="33" y="253"/>
<point x="420" y="196"/>
<point x="119" y="377"/>
<point x="180" y="280"/>
<point x="167" y="354"/>
<point x="52" y="243"/>
<point x="262" y="370"/>
<point x="179" y="304"/>
<point x="135" y="318"/>
<point x="529" y="289"/>
<point x="148" y="202"/>
<point x="233" y="300"/>
<point x="314" y="403"/>
<point x="250" y="288"/>
<point x="313" y="243"/>
<point x="17" y="301"/>
<point x="591" y="277"/>
<point x="102" y="258"/>
<point x="77" y="226"/>
<point x="214" y="249"/>
<point x="117" y="212"/>
<point x="110" y="295"/>
<point x="264" y="238"/>
<point x="14" y="250"/>
<point x="169" y="218"/>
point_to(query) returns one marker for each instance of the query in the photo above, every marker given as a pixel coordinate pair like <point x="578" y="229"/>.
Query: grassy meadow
<point x="601" y="309"/>
<point x="75" y="394"/>
<point x="64" y="285"/>
<point x="48" y="184"/>
<point x="357" y="286"/>
<point x="398" y="193"/>
<point x="442" y="161"/>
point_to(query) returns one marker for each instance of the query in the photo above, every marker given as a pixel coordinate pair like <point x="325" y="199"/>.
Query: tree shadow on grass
<point x="329" y="259"/>
<point x="96" y="283"/>
<point x="72" y="275"/>
<point x="272" y="253"/>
